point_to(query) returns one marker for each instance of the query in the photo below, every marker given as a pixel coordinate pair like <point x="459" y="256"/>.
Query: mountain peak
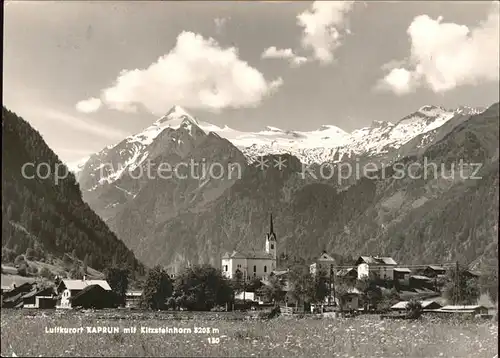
<point x="177" y="113"/>
<point x="431" y="110"/>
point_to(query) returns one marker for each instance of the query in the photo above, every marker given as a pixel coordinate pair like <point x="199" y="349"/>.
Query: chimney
<point x="84" y="278"/>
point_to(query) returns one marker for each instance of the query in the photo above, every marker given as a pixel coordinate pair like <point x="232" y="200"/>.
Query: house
<point x="133" y="298"/>
<point x="433" y="271"/>
<point x="253" y="264"/>
<point x="467" y="309"/>
<point x="40" y="298"/>
<point x="419" y="281"/>
<point x="14" y="297"/>
<point x="382" y="267"/>
<point x="249" y="296"/>
<point x="94" y="296"/>
<point x="349" y="300"/>
<point x="324" y="263"/>
<point x="402" y="274"/>
<point x="426" y="305"/>
<point x="471" y="274"/>
<point x="69" y="288"/>
<point x="349" y="274"/>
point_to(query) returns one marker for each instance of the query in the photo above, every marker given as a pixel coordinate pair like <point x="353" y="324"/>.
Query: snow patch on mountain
<point x="326" y="144"/>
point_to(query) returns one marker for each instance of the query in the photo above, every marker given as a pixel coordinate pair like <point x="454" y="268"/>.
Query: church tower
<point x="271" y="247"/>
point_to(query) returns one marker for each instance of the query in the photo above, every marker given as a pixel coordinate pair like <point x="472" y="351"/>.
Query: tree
<point x="254" y="285"/>
<point x="460" y="288"/>
<point x="118" y="281"/>
<point x="371" y="294"/>
<point x="30" y="254"/>
<point x="321" y="286"/>
<point x="46" y="273"/>
<point x="203" y="288"/>
<point x="157" y="289"/>
<point x="8" y="255"/>
<point x="274" y="291"/>
<point x="19" y="260"/>
<point x="413" y="309"/>
<point x="23" y="269"/>
<point x="76" y="272"/>
<point x="302" y="284"/>
<point x="488" y="281"/>
<point x="388" y="299"/>
<point x="67" y="260"/>
<point x="85" y="264"/>
<point x="237" y="282"/>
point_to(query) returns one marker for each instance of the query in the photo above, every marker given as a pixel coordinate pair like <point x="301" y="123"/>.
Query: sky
<point x="86" y="74"/>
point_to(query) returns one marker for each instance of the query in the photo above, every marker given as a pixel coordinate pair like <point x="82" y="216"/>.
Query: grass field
<point x="23" y="333"/>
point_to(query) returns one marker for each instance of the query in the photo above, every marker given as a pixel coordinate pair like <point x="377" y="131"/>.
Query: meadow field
<point x="24" y="333"/>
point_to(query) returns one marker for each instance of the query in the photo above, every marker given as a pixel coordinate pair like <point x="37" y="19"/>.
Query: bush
<point x="19" y="260"/>
<point x="23" y="269"/>
<point x="171" y="303"/>
<point x="46" y="273"/>
<point x="218" y="309"/>
<point x="8" y="255"/>
<point x="30" y="254"/>
<point x="413" y="309"/>
<point x="275" y="312"/>
<point x="32" y="270"/>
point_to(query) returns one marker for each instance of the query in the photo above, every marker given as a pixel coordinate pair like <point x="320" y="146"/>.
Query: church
<point x="252" y="264"/>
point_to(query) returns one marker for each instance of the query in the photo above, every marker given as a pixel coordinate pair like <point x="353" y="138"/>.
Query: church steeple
<point x="271" y="239"/>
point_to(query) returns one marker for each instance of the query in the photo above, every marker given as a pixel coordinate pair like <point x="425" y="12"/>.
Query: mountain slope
<point x="419" y="219"/>
<point x="44" y="215"/>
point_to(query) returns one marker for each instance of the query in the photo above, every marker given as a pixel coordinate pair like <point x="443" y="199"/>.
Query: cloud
<point x="197" y="73"/>
<point x="220" y="24"/>
<point x="324" y="27"/>
<point x="83" y="125"/>
<point x="399" y="80"/>
<point x="89" y="105"/>
<point x="287" y="54"/>
<point x="444" y="55"/>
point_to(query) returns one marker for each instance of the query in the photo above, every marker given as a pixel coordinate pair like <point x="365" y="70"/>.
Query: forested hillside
<point x="49" y="215"/>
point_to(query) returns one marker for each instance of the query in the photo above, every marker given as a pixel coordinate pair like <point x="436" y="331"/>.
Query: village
<point x="373" y="284"/>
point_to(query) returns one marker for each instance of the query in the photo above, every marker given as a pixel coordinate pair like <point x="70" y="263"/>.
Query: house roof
<point x="425" y="304"/>
<point x="377" y="260"/>
<point x="280" y="273"/>
<point x="133" y="293"/>
<point x="462" y="308"/>
<point x="436" y="268"/>
<point x="353" y="290"/>
<point x="325" y="258"/>
<point x="473" y="273"/>
<point x="87" y="289"/>
<point x="42" y="292"/>
<point x="345" y="272"/>
<point x="402" y="269"/>
<point x="81" y="284"/>
<point x="419" y="277"/>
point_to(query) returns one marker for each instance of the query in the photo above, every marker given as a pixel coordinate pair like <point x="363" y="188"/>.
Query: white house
<point x="252" y="264"/>
<point x="383" y="267"/>
<point x="324" y="263"/>
<point x="69" y="288"/>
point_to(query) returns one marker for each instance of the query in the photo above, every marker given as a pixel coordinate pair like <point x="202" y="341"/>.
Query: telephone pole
<point x="457" y="284"/>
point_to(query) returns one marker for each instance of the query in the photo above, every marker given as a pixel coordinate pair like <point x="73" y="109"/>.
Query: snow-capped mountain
<point x="326" y="144"/>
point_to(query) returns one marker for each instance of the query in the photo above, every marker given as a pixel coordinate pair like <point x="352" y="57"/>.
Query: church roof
<point x="247" y="255"/>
